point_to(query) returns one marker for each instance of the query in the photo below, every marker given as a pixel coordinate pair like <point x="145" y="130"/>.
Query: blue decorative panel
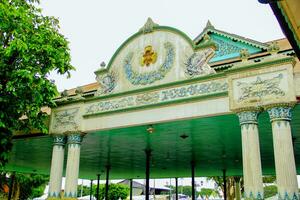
<point x="227" y="48"/>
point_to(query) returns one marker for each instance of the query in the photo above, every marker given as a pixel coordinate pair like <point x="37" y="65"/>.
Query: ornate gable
<point x="154" y="56"/>
<point x="228" y="45"/>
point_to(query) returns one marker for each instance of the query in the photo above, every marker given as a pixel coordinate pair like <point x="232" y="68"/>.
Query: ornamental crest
<point x="149" y="56"/>
<point x="144" y="78"/>
<point x="254" y="91"/>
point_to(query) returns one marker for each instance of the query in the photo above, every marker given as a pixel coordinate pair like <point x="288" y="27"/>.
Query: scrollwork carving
<point x="254" y="91"/>
<point x="197" y="63"/>
<point x="107" y="83"/>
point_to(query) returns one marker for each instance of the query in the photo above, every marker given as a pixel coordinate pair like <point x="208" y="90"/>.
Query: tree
<point x="205" y="192"/>
<point x="115" y="192"/>
<point x="85" y="190"/>
<point x="186" y="189"/>
<point x="30" y="48"/>
<point x="25" y="185"/>
<point x="229" y="185"/>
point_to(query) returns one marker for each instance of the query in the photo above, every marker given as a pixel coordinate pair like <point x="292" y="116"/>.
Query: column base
<point x="62" y="198"/>
<point x="286" y="196"/>
<point x="251" y="196"/>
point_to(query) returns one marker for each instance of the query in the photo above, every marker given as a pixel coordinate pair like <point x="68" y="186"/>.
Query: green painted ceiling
<point x="213" y="142"/>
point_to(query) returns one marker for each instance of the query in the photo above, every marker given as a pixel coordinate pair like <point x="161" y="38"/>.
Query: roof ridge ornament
<point x="244" y="54"/>
<point x="209" y="25"/>
<point x="273" y="48"/>
<point x="102" y="64"/>
<point x="148" y="26"/>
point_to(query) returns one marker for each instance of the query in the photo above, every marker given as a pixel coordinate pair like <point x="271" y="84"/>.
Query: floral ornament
<point x="107" y="83"/>
<point x="149" y="77"/>
<point x="197" y="63"/>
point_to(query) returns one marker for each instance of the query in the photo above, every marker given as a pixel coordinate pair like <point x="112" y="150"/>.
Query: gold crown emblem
<point x="149" y="56"/>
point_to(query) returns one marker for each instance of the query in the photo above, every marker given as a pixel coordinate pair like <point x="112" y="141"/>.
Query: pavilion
<point x="168" y="106"/>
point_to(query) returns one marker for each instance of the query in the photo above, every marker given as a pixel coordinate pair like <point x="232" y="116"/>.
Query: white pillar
<point x="286" y="176"/>
<point x="57" y="165"/>
<point x="72" y="171"/>
<point x="252" y="172"/>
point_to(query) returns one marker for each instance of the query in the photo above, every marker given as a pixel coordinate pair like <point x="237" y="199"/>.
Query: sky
<point x="95" y="29"/>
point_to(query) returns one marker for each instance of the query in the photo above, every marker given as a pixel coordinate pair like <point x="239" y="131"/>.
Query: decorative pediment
<point x="155" y="55"/>
<point x="229" y="45"/>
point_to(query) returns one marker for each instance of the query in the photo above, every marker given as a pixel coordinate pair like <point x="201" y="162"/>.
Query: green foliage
<point x="31" y="185"/>
<point x="30" y="48"/>
<point x="85" y="190"/>
<point x="115" y="192"/>
<point x="206" y="192"/>
<point x="38" y="191"/>
<point x="26" y="185"/>
<point x="269" y="179"/>
<point x="219" y="181"/>
<point x="3" y="185"/>
<point x="187" y="190"/>
<point x="3" y="196"/>
<point x="230" y="182"/>
<point x="270" y="191"/>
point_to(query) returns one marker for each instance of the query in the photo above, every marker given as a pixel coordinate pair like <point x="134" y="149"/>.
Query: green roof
<point x="213" y="142"/>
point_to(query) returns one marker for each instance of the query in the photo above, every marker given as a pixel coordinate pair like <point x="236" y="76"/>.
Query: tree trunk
<point x="16" y="191"/>
<point x="230" y="188"/>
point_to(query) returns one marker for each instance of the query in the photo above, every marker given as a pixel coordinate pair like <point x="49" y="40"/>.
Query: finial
<point x="102" y="64"/>
<point x="244" y="54"/>
<point x="64" y="93"/>
<point x="79" y="93"/>
<point x="149" y="26"/>
<point x="79" y="90"/>
<point x="209" y="25"/>
<point x="273" y="48"/>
